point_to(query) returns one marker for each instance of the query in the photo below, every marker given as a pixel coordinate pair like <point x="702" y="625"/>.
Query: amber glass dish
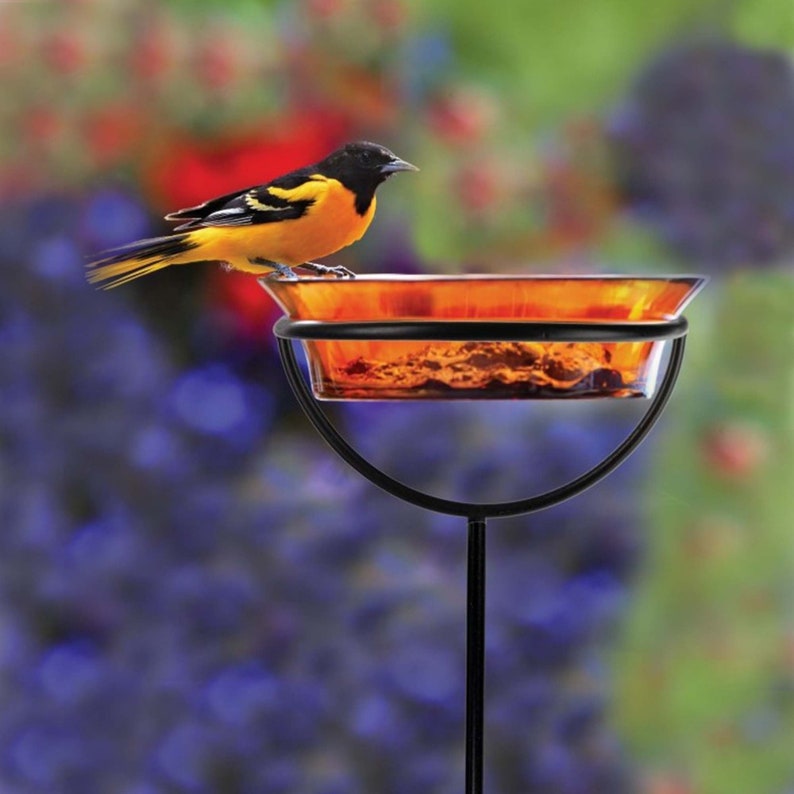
<point x="386" y="370"/>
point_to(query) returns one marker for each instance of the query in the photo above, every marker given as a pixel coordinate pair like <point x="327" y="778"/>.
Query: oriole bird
<point x="304" y="215"/>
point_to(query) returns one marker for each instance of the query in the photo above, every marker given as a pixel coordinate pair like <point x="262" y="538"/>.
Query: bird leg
<point x="326" y="270"/>
<point x="279" y="270"/>
<point x="282" y="271"/>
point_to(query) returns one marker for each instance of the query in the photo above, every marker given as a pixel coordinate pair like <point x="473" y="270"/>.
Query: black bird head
<point x="361" y="166"/>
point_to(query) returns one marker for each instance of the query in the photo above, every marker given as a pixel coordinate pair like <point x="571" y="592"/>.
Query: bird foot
<point x="287" y="273"/>
<point x="326" y="270"/>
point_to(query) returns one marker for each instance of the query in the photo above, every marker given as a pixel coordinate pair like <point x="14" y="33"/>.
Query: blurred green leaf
<point x="706" y="644"/>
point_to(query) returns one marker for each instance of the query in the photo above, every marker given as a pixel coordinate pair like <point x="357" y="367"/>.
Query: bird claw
<point x="325" y="270"/>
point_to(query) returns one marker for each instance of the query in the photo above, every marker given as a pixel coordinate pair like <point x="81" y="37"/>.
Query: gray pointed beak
<point x="395" y="165"/>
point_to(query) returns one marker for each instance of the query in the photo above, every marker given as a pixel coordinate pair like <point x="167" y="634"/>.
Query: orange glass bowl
<point x="379" y="369"/>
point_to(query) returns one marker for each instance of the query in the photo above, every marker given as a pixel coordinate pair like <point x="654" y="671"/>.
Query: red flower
<point x="152" y="50"/>
<point x="324" y="9"/>
<point x="64" y="52"/>
<point x="186" y="171"/>
<point x="113" y="132"/>
<point x="735" y="449"/>
<point x="479" y="187"/>
<point x="43" y="126"/>
<point x="390" y="14"/>
<point x="462" y="116"/>
<point x="217" y="63"/>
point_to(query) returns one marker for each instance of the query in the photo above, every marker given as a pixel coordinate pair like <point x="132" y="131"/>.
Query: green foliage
<point x="556" y="58"/>
<point x="706" y="671"/>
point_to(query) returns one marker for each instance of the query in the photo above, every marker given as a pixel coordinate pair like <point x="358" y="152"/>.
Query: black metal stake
<point x="476" y="514"/>
<point x="475" y="655"/>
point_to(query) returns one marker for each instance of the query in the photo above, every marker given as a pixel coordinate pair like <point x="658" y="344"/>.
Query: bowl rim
<point x="279" y="288"/>
<point x="693" y="278"/>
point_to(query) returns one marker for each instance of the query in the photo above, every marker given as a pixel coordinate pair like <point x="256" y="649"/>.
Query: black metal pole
<point x="475" y="655"/>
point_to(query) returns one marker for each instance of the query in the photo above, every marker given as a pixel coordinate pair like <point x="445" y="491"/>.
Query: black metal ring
<point x="482" y="331"/>
<point x="473" y="510"/>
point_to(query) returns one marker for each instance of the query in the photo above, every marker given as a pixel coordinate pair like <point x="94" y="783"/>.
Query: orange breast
<point x="331" y="223"/>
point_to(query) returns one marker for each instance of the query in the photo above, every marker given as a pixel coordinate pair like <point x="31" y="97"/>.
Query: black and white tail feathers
<point x="120" y="265"/>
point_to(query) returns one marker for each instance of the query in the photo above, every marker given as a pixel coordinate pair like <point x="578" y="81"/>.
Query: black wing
<point x="246" y="207"/>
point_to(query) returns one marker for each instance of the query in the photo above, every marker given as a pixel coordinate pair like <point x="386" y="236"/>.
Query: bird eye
<point x="366" y="157"/>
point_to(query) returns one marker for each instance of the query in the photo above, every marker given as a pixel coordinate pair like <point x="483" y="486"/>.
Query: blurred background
<point x="196" y="596"/>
